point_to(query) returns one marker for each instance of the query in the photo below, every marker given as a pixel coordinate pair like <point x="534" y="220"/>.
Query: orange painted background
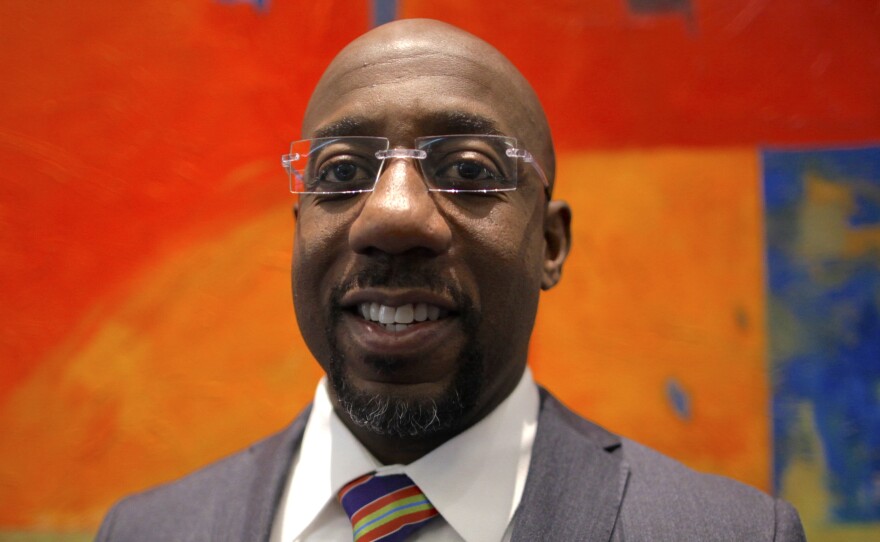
<point x="146" y="326"/>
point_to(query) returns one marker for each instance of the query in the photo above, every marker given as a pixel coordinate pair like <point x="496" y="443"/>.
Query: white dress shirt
<point x="475" y="480"/>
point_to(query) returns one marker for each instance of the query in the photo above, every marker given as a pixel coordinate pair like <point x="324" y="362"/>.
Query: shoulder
<point x="218" y="502"/>
<point x="670" y="497"/>
<point x="662" y="496"/>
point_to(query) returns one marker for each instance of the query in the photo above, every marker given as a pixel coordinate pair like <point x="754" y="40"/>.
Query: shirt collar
<point x="329" y="457"/>
<point x="475" y="480"/>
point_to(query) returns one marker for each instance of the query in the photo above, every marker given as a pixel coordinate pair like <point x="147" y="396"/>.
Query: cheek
<point x="506" y="254"/>
<point x="506" y="265"/>
<point x="510" y="246"/>
<point x="318" y="241"/>
<point x="319" y="237"/>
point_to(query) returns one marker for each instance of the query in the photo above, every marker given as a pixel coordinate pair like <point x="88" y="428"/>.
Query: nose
<point x="400" y="215"/>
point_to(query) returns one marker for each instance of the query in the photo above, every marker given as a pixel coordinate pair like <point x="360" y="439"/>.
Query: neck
<point x="395" y="450"/>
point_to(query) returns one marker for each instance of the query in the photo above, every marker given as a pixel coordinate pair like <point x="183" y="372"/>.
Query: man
<point x="425" y="232"/>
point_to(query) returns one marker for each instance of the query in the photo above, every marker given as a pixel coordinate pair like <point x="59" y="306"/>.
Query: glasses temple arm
<point x="527" y="157"/>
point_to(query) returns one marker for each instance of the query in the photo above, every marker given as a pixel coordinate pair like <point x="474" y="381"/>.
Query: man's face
<point x="468" y="267"/>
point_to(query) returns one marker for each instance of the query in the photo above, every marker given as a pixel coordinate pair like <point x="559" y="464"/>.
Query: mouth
<point x="399" y="318"/>
<point x="420" y="329"/>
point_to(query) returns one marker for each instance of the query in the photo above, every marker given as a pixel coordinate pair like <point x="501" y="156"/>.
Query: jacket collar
<point x="576" y="479"/>
<point x="251" y="513"/>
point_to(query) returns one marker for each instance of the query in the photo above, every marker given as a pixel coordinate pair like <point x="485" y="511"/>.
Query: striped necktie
<point x="386" y="508"/>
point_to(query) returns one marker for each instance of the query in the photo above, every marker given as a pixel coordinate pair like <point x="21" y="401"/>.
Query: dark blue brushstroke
<point x="659" y="6"/>
<point x="679" y="399"/>
<point x="384" y="11"/>
<point x="867" y="212"/>
<point x="259" y="5"/>
<point x="834" y="304"/>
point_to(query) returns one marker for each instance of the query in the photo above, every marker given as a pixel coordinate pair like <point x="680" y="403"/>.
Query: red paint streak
<point x="758" y="72"/>
<point x="127" y="131"/>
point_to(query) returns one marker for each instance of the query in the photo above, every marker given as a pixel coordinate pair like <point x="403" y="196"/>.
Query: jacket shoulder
<point x="231" y="499"/>
<point x="674" y="502"/>
<point x="658" y="498"/>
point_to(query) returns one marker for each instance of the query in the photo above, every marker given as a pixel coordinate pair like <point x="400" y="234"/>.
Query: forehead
<point x="401" y="92"/>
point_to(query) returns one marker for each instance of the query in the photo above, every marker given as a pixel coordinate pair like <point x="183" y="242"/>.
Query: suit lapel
<point x="576" y="479"/>
<point x="250" y="510"/>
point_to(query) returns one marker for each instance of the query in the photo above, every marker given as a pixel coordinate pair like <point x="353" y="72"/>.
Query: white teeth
<point x="421" y="312"/>
<point x="404" y="314"/>
<point x="386" y="314"/>
<point x="398" y="318"/>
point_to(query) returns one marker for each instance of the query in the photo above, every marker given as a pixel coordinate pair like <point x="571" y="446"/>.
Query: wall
<point x="722" y="302"/>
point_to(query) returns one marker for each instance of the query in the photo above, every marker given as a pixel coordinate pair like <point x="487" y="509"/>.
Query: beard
<point x="410" y="417"/>
<point x="402" y="416"/>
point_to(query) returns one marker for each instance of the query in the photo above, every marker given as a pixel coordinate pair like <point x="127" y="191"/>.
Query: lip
<point x="417" y="341"/>
<point x="396" y="298"/>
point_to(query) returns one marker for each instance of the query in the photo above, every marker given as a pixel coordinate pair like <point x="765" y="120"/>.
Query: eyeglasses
<point x="448" y="163"/>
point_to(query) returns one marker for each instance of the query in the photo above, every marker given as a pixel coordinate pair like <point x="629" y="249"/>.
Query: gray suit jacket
<point x="584" y="483"/>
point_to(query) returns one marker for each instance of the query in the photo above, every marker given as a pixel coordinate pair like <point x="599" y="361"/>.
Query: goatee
<point x="401" y="416"/>
<point x="409" y="417"/>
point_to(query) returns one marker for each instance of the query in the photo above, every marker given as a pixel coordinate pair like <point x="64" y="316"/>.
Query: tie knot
<point x="387" y="508"/>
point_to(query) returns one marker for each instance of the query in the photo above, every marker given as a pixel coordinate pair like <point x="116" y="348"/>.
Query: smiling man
<point x="426" y="230"/>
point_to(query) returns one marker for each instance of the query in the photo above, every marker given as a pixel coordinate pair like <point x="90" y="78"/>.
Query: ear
<point x="557" y="239"/>
<point x="295" y="211"/>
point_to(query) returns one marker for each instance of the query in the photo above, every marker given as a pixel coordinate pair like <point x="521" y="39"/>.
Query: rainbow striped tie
<point x="387" y="508"/>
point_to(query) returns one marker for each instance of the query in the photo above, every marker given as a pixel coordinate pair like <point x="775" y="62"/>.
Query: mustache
<point x="381" y="275"/>
<point x="385" y="274"/>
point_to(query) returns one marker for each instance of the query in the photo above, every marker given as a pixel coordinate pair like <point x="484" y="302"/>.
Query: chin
<point x="410" y="411"/>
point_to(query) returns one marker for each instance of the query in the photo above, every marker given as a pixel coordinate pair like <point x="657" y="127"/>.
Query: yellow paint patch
<point x="823" y="219"/>
<point x="665" y="283"/>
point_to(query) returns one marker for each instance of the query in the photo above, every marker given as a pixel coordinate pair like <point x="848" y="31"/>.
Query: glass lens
<point x="468" y="163"/>
<point x="336" y="165"/>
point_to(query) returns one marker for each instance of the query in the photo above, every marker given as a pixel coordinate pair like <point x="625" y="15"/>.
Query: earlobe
<point x="557" y="239"/>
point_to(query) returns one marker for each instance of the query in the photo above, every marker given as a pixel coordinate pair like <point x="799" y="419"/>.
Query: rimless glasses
<point x="448" y="163"/>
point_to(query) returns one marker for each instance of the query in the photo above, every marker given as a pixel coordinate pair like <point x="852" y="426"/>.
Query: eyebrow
<point x="347" y="126"/>
<point x="460" y="122"/>
<point x="437" y="123"/>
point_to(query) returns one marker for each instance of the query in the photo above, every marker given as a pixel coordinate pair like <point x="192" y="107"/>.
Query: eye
<point x="472" y="171"/>
<point x="467" y="167"/>
<point x="468" y="163"/>
<point x="343" y="173"/>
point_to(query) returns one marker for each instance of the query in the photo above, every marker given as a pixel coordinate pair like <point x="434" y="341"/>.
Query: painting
<point x="721" y="303"/>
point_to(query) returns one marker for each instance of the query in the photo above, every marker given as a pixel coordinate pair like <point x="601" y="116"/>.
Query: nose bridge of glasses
<point x="400" y="164"/>
<point x="416" y="154"/>
<point x="401" y="153"/>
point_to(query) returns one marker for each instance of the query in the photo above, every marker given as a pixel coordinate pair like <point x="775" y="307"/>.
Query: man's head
<point x="464" y="268"/>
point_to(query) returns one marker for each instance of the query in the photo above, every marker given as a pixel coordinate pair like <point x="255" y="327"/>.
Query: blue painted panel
<point x="823" y="256"/>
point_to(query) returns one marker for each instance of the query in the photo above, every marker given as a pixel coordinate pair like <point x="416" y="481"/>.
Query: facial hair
<point x="399" y="416"/>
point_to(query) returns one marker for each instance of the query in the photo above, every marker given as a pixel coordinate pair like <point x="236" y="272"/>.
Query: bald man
<point x="426" y="230"/>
